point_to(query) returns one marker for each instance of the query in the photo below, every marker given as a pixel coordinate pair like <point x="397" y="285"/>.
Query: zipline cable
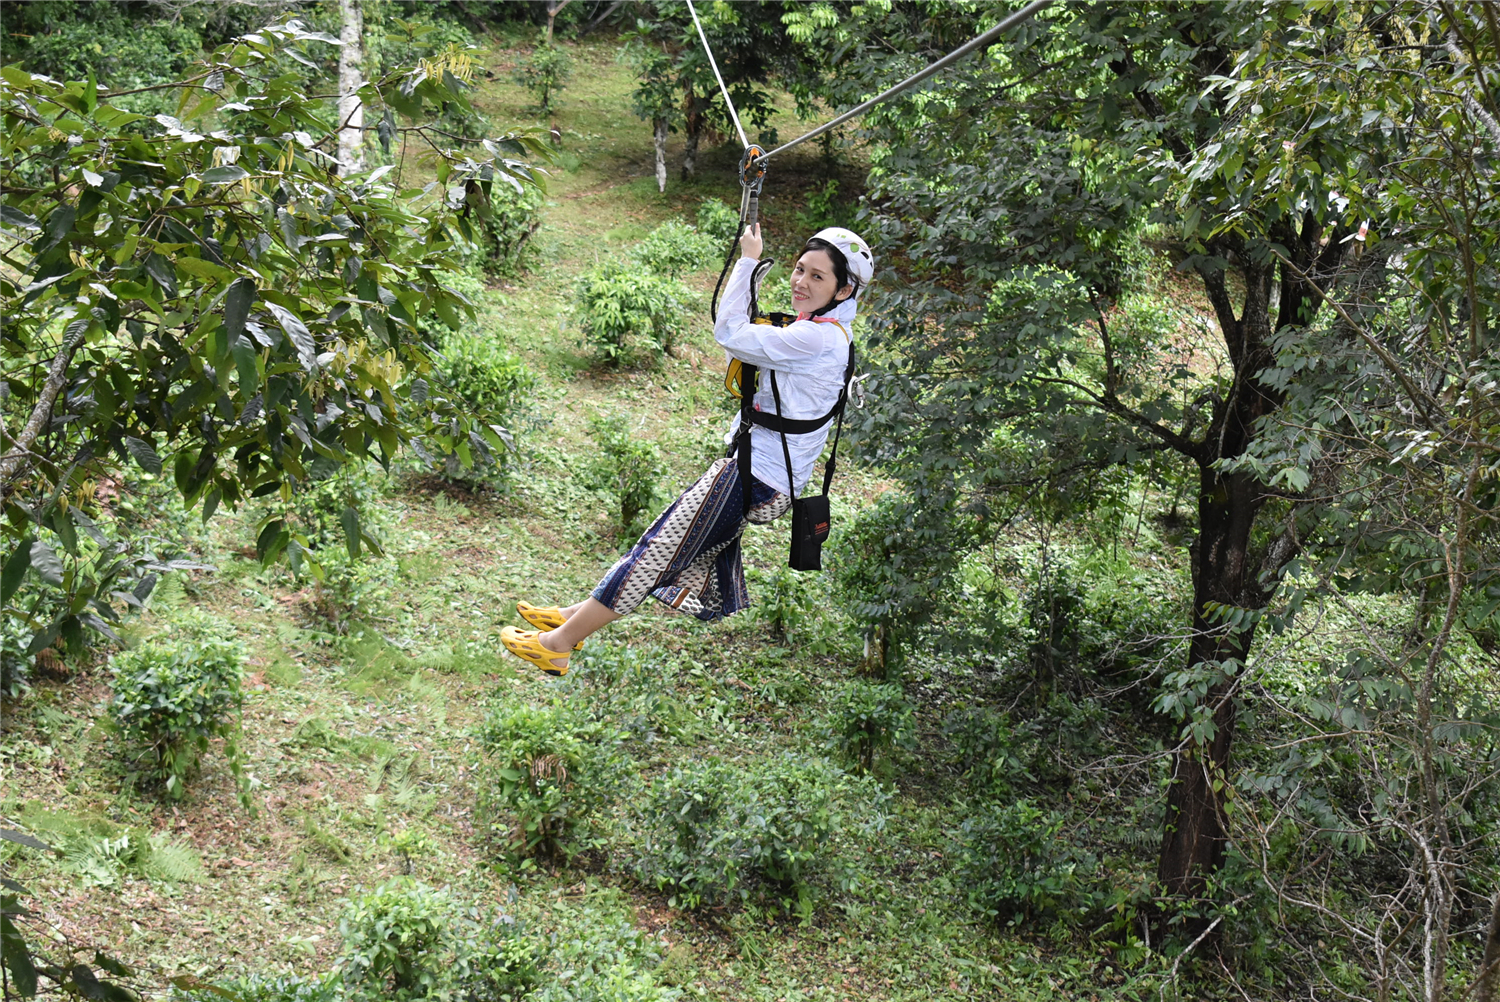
<point x="725" y="90"/>
<point x="754" y="159"/>
<point x="989" y="36"/>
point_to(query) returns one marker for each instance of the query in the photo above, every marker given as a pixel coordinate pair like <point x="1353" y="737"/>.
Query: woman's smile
<point x="813" y="282"/>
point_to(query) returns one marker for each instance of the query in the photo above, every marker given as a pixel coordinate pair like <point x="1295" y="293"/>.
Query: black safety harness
<point x="810" y="515"/>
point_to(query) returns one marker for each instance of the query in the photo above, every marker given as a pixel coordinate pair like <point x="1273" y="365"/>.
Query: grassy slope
<point x="355" y="738"/>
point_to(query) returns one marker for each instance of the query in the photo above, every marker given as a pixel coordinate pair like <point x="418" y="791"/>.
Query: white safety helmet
<point x="855" y="251"/>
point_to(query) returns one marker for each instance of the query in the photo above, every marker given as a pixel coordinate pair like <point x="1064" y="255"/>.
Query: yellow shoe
<point x="525" y="645"/>
<point x="544" y="618"/>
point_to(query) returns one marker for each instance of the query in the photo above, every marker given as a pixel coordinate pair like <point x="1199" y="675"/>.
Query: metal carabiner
<point x="855" y="391"/>
<point x="752" y="176"/>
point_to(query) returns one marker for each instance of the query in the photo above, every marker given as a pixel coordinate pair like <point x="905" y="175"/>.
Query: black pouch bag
<point x="810" y="521"/>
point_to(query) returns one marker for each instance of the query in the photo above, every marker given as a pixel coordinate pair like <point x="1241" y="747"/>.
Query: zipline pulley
<point x="752" y="176"/>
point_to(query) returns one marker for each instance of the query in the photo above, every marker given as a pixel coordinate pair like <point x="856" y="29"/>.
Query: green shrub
<point x="888" y="577"/>
<point x="791" y="604"/>
<point x="606" y="958"/>
<point x="493" y="384"/>
<point x="494" y="961"/>
<point x="487" y="376"/>
<point x="633" y="687"/>
<point x="274" y="988"/>
<point x="405" y="940"/>
<point x="674" y="248"/>
<point x="628" y="468"/>
<point x="823" y="208"/>
<point x="338" y="519"/>
<point x="985" y="749"/>
<point x="629" y="314"/>
<point x="124" y="52"/>
<point x="175" y="692"/>
<point x="467" y="284"/>
<point x="92" y="557"/>
<point x="545" y="73"/>
<point x="549" y="770"/>
<point x="867" y="717"/>
<point x="719" y="832"/>
<point x="1017" y="864"/>
<point x="719" y="221"/>
<point x="505" y="249"/>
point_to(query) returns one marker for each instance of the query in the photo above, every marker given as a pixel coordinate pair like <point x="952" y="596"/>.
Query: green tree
<point x="1020" y="192"/>
<point x="753" y="49"/>
<point x="201" y="294"/>
<point x="545" y="73"/>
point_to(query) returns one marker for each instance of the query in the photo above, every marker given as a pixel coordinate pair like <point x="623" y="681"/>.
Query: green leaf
<point x="45" y="562"/>
<point x="224" y="175"/>
<point x="271" y="541"/>
<point x="83" y="981"/>
<point x="111" y="966"/>
<point x="237" y="303"/>
<point x="63" y="526"/>
<point x="144" y="455"/>
<point x="200" y="268"/>
<point x="295" y="329"/>
<point x="160" y="269"/>
<point x="245" y="359"/>
<point x="14" y="572"/>
<point x="16" y="957"/>
<point x="59" y="224"/>
<point x="189" y="983"/>
<point x="21" y="838"/>
<point x="15" y="217"/>
<point x="349" y="518"/>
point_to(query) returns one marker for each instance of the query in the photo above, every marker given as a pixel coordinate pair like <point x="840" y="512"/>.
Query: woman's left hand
<point x="750" y="242"/>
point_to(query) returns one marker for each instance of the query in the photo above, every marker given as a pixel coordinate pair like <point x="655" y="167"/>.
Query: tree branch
<point x="16" y="461"/>
<point x="1113" y="405"/>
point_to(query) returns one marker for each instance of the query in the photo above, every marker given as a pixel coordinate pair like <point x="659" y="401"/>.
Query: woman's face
<point x="813" y="283"/>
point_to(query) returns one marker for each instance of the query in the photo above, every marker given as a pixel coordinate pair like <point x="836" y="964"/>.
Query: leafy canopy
<point x="203" y="295"/>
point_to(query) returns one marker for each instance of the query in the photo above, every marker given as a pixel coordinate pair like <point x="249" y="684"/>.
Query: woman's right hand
<point x="750" y="242"/>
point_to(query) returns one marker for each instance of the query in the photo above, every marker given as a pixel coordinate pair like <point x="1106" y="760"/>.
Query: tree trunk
<point x="1195" y="828"/>
<point x="351" y="109"/>
<point x="692" y="129"/>
<point x="1488" y="989"/>
<point x="600" y="19"/>
<point x="552" y="8"/>
<point x="661" y="154"/>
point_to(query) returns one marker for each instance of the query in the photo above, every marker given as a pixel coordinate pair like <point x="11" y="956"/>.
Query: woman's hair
<point x="841" y="276"/>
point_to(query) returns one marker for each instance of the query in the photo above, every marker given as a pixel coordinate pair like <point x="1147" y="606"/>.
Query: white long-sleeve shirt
<point x="809" y="359"/>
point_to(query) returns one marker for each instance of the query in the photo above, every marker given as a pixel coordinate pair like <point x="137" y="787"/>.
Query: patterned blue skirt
<point x="690" y="557"/>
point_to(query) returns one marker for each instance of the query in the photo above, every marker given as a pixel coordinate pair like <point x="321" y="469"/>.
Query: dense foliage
<point x="547" y="772"/>
<point x="269" y="325"/>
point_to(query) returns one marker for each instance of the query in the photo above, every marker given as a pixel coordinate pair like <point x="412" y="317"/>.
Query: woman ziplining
<point x="689" y="559"/>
